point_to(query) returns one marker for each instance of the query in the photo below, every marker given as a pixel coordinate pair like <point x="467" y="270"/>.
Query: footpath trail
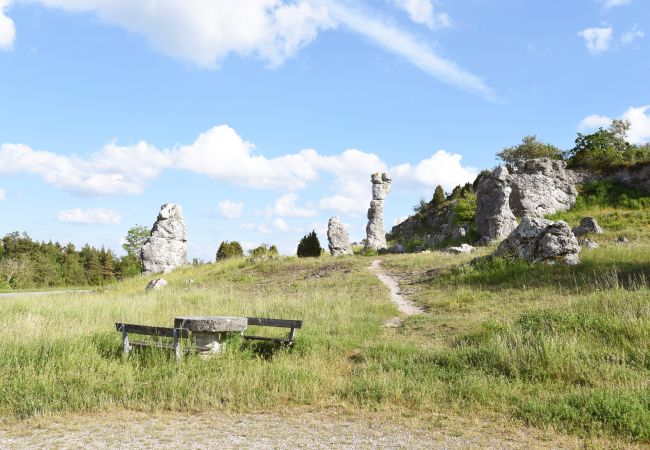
<point x="405" y="306"/>
<point x="295" y="429"/>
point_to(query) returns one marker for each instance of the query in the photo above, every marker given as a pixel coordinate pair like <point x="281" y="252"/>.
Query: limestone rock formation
<point x="494" y="218"/>
<point x="463" y="248"/>
<point x="541" y="186"/>
<point x="156" y="284"/>
<point x="587" y="225"/>
<point x="339" y="241"/>
<point x="588" y="243"/>
<point x="535" y="187"/>
<point x="166" y="248"/>
<point x="376" y="235"/>
<point x="541" y="240"/>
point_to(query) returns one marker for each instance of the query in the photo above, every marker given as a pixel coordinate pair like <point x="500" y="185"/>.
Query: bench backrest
<point x="152" y="331"/>
<point x="280" y="323"/>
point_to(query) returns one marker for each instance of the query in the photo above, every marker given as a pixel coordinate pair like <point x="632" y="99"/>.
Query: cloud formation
<point x="597" y="40"/>
<point x="422" y="12"/>
<point x="608" y="4"/>
<point x="639" y="132"/>
<point x="632" y="35"/>
<point x="206" y="32"/>
<point x="3" y="195"/>
<point x="221" y="154"/>
<point x="7" y="27"/>
<point x="230" y="210"/>
<point x="90" y="216"/>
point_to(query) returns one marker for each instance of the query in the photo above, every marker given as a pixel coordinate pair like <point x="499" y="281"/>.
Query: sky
<point x="264" y="118"/>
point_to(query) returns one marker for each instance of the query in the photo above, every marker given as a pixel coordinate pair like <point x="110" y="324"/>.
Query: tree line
<point x="26" y="263"/>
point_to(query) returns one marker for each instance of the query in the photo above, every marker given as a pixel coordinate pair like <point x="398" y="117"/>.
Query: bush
<point x="264" y="251"/>
<point x="465" y="209"/>
<point x="309" y="246"/>
<point x="229" y="250"/>
<point x="530" y="148"/>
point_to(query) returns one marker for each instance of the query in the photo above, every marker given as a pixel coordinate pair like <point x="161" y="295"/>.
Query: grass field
<point x="557" y="347"/>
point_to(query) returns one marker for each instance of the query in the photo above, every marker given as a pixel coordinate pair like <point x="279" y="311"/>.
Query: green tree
<point x="438" y="197"/>
<point x="606" y="149"/>
<point x="309" y="246"/>
<point x="229" y="250"/>
<point x="73" y="272"/>
<point x="530" y="148"/>
<point x="134" y="239"/>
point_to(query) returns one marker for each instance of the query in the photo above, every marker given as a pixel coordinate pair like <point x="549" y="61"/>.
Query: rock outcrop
<point x="541" y="186"/>
<point x="376" y="235"/>
<point x="339" y="241"/>
<point x="541" y="240"/>
<point x="463" y="248"/>
<point x="166" y="248"/>
<point x="587" y="225"/>
<point x="533" y="188"/>
<point x="637" y="177"/>
<point x="494" y="218"/>
<point x="156" y="284"/>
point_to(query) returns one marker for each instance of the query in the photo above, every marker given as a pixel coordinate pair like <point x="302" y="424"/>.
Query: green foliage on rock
<point x="606" y="149"/>
<point x="530" y="148"/>
<point x="465" y="208"/>
<point x="309" y="246"/>
<point x="229" y="250"/>
<point x="438" y="197"/>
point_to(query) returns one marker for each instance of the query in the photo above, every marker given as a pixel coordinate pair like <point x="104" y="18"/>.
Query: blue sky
<point x="263" y="118"/>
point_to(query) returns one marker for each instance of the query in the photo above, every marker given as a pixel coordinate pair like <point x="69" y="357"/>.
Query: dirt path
<point x="36" y="293"/>
<point x="295" y="429"/>
<point x="406" y="307"/>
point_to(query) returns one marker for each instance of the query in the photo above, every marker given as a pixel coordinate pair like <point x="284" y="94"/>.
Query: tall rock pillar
<point x="166" y="248"/>
<point x="376" y="235"/>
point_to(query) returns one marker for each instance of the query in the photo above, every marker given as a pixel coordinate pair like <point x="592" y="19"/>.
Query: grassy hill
<point x="557" y="347"/>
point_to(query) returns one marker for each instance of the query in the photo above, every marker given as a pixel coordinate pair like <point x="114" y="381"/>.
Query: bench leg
<point x="126" y="348"/>
<point x="291" y="335"/>
<point x="177" y="347"/>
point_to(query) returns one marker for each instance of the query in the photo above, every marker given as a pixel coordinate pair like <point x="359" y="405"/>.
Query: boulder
<point x="588" y="243"/>
<point x="541" y="186"/>
<point x="376" y="235"/>
<point x="494" y="219"/>
<point x="541" y="240"/>
<point x="587" y="225"/>
<point x="397" y="248"/>
<point x="166" y="247"/>
<point x="155" y="284"/>
<point x="339" y="241"/>
<point x="463" y="248"/>
<point x="622" y="240"/>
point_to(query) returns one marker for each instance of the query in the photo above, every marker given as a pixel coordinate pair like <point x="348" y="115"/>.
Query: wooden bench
<point x="175" y="333"/>
<point x="293" y="325"/>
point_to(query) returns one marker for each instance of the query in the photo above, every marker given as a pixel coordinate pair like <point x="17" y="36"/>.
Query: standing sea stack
<point x="339" y="242"/>
<point x="166" y="248"/>
<point x="376" y="235"/>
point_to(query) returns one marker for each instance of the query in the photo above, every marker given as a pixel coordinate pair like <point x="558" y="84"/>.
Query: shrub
<point x="530" y="148"/>
<point x="309" y="246"/>
<point x="465" y="208"/>
<point x="264" y="251"/>
<point x="229" y="250"/>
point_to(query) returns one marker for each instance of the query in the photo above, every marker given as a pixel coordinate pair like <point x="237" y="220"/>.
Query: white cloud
<point x="405" y="45"/>
<point x="90" y="216"/>
<point x="639" y="132"/>
<point x="607" y="4"/>
<point x="230" y="210"/>
<point x="285" y="206"/>
<point x="594" y="121"/>
<point x="280" y="225"/>
<point x="442" y="168"/>
<point x="597" y="40"/>
<point x="206" y="32"/>
<point x="3" y="195"/>
<point x="422" y="12"/>
<point x="223" y="155"/>
<point x="7" y="27"/>
<point x="630" y="36"/>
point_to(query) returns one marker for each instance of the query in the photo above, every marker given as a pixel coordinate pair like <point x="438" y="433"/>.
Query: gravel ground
<point x="310" y="430"/>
